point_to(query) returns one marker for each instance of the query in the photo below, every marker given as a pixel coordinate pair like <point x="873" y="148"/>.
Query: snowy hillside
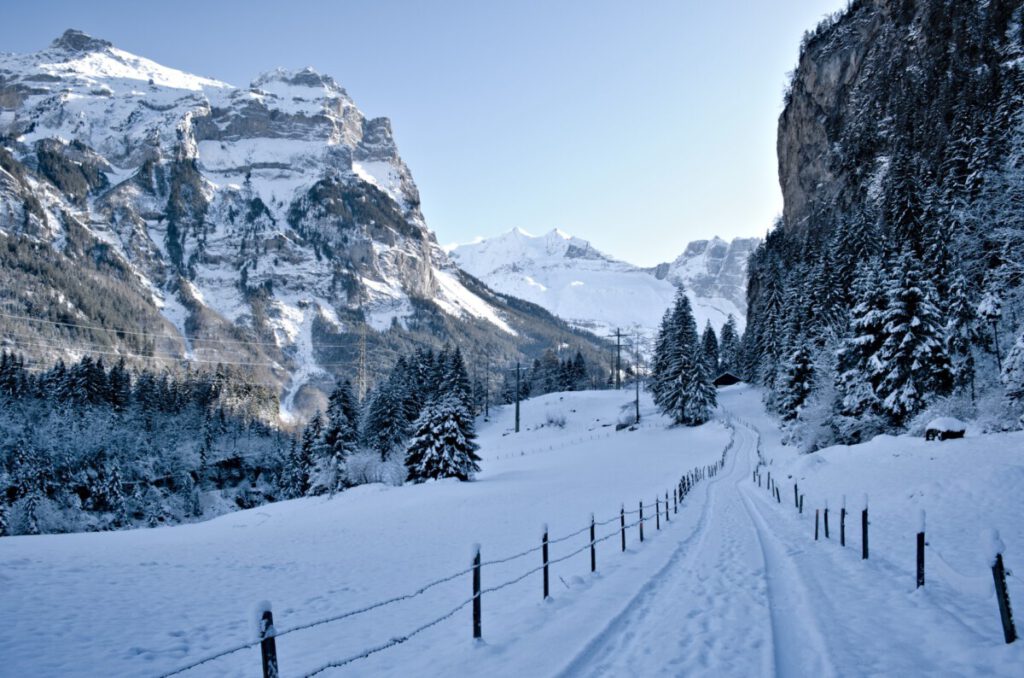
<point x="592" y="290"/>
<point x="244" y="224"/>
<point x="733" y="585"/>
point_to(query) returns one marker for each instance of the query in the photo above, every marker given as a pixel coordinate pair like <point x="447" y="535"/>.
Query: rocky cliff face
<point x="902" y="136"/>
<point x="259" y="225"/>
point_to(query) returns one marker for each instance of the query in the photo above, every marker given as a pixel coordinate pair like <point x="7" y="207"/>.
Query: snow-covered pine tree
<point x="912" y="360"/>
<point x="455" y="380"/>
<point x="443" y="444"/>
<point x="386" y="423"/>
<point x="709" y="350"/>
<point x="961" y="334"/>
<point x="341" y="436"/>
<point x="858" y="368"/>
<point x="314" y="450"/>
<point x="729" y="347"/>
<point x="1013" y="372"/>
<point x="797" y="383"/>
<point x="688" y="396"/>
<point x="663" y="348"/>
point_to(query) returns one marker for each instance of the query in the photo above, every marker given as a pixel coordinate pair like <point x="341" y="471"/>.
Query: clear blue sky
<point x="637" y="125"/>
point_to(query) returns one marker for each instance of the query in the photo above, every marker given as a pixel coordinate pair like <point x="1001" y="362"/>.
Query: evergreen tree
<point x="340" y="437"/>
<point x="729" y="347"/>
<point x="797" y="383"/>
<point x="1013" y="372"/>
<point x="386" y="422"/>
<point x="443" y="443"/>
<point x="684" y="390"/>
<point x="912" y="360"/>
<point x="859" y="372"/>
<point x="961" y="334"/>
<point x="709" y="350"/>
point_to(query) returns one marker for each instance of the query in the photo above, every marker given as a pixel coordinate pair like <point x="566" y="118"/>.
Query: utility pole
<point x="517" y="397"/>
<point x="487" y="388"/>
<point x="618" y="359"/>
<point x="636" y="373"/>
<point x="362" y="362"/>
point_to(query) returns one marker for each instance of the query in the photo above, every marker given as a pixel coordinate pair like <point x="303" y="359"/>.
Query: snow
<point x="734" y="584"/>
<point x="947" y="425"/>
<point x="587" y="288"/>
<point x="383" y="175"/>
<point x="456" y="300"/>
<point x="145" y="601"/>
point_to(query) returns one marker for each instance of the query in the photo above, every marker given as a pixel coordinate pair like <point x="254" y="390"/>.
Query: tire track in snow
<point x="706" y="611"/>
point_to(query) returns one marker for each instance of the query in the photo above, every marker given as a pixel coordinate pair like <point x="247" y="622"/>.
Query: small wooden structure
<point x="726" y="379"/>
<point x="945" y="428"/>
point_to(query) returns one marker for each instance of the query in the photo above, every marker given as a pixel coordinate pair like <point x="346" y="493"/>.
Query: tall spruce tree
<point x="961" y="334"/>
<point x="442" y="445"/>
<point x="729" y="347"/>
<point x="709" y="350"/>
<point x="797" y="383"/>
<point x="912" y="360"/>
<point x="685" y="390"/>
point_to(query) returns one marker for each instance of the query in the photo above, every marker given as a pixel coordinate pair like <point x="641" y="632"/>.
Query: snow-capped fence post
<point x="801" y="504"/>
<point x="657" y="513"/>
<point x="826" y="519"/>
<point x="622" y="525"/>
<point x="796" y="496"/>
<point x="477" y="625"/>
<point x="268" y="646"/>
<point x="544" y="558"/>
<point x="816" y="516"/>
<point x="1002" y="596"/>
<point x="668" y="519"/>
<point x="641" y="522"/>
<point x="864" y="530"/>
<point x="675" y="501"/>
<point x="920" y="551"/>
<point x="593" y="551"/>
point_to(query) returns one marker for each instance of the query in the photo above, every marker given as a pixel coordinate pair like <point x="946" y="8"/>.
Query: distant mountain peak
<point x="74" y="40"/>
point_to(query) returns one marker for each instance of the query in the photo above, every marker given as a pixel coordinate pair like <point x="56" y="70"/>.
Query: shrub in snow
<point x="556" y="419"/>
<point x="366" y="467"/>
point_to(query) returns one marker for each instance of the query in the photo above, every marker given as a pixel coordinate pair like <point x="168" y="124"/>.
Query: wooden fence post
<point x="842" y="525"/>
<point x="268" y="646"/>
<point x="641" y="522"/>
<point x="657" y="513"/>
<point x="796" y="496"/>
<point x="816" y="524"/>
<point x="920" y="559"/>
<point x="668" y="518"/>
<point x="864" y="530"/>
<point x="1005" y="612"/>
<point x="622" y="525"/>
<point x="826" y="519"/>
<point x="675" y="502"/>
<point x="801" y="504"/>
<point x="593" y="552"/>
<point x="544" y="558"/>
<point x="477" y="625"/>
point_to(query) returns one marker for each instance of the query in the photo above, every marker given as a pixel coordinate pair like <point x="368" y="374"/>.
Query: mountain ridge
<point x="593" y="290"/>
<point x="276" y="217"/>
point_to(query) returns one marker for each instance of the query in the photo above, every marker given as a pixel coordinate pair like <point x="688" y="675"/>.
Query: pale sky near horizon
<point x="639" y="126"/>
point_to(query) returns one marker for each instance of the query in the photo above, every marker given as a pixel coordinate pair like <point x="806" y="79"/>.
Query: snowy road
<point x="729" y="600"/>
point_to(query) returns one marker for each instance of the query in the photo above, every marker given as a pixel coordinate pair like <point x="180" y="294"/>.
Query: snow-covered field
<point x="146" y="601"/>
<point x="734" y="585"/>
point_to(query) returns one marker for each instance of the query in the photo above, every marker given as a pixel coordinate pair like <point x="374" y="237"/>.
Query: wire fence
<point x="966" y="584"/>
<point x="661" y="507"/>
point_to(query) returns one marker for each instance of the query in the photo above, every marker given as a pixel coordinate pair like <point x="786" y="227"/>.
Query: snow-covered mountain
<point x="592" y="290"/>
<point x="253" y="224"/>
